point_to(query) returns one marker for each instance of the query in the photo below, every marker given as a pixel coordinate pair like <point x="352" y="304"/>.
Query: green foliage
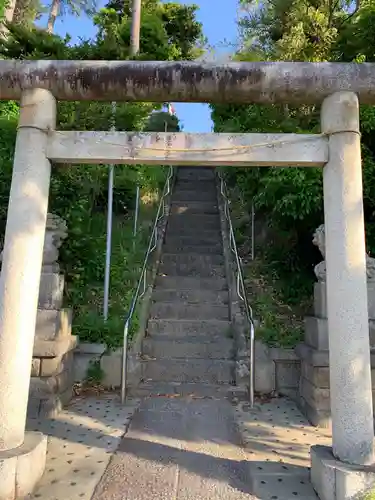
<point x="79" y="192"/>
<point x="290" y="201"/>
<point x="95" y="373"/>
<point x="161" y="121"/>
<point x="168" y="30"/>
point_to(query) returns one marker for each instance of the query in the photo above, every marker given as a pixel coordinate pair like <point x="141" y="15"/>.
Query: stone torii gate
<point x="337" y="473"/>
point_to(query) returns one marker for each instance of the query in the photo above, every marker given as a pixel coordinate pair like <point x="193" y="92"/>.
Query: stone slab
<point x="53" y="348"/>
<point x="319" y="397"/>
<point x="316" y="333"/>
<point x="211" y="371"/>
<point x="316" y="375"/>
<point x="21" y="468"/>
<point x="287" y="376"/>
<point x="52" y="324"/>
<point x="334" y="480"/>
<point x="55" y="366"/>
<point x="264" y="372"/>
<point x="181" y="389"/>
<point x="319" y="375"/>
<point x="82" y="439"/>
<point x="48" y="406"/>
<point x="180" y="310"/>
<point x="320" y="300"/>
<point x="42" y="387"/>
<point x="35" y="367"/>
<point x="317" y="418"/>
<point x="185" y="328"/>
<point x="51" y="291"/>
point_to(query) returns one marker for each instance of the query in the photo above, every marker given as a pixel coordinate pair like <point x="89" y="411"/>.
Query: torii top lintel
<point x="259" y="82"/>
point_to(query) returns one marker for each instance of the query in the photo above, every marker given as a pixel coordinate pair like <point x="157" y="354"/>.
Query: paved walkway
<point x="181" y="449"/>
<point x="81" y="441"/>
<point x="177" y="449"/>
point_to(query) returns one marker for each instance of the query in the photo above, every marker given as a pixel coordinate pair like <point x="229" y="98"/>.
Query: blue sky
<point x="219" y="24"/>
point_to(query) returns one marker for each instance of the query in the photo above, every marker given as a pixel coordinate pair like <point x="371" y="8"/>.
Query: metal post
<point x="124" y="364"/>
<point x="252" y="231"/>
<point x="136" y="27"/>
<point x="136" y="213"/>
<point x="109" y="225"/>
<point x="252" y="364"/>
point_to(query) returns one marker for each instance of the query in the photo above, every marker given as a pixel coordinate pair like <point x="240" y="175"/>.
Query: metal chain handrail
<point x="241" y="291"/>
<point x="142" y="282"/>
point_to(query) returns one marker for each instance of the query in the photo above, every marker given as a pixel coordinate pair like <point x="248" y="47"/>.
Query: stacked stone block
<point x="314" y="387"/>
<point x="52" y="374"/>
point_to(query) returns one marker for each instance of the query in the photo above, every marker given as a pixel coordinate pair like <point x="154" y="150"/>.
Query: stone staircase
<point x="189" y="348"/>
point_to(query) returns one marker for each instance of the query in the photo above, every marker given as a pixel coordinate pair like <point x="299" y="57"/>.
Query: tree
<point x="79" y="194"/>
<point x="300" y="30"/>
<point x="161" y="121"/>
<point x="172" y="24"/>
<point x="75" y="7"/>
<point x="6" y="14"/>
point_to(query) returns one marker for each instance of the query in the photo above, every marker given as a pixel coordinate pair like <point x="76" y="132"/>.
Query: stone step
<point x="194" y="221"/>
<point x="191" y="269"/>
<point x="193" y="259"/>
<point x="211" y="371"/>
<point x="194" y="296"/>
<point x="206" y="186"/>
<point x="177" y="247"/>
<point x="176" y="389"/>
<point x="205" y="238"/>
<point x="201" y="174"/>
<point x="189" y="328"/>
<point x="178" y="310"/>
<point x="194" y="207"/>
<point x="183" y="195"/>
<point x="194" y="231"/>
<point x="221" y="348"/>
<point x="190" y="283"/>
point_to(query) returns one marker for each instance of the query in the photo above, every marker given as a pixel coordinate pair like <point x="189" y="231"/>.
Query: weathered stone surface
<point x="318" y="418"/>
<point x="209" y="371"/>
<point x="188" y="81"/>
<point x="320" y="269"/>
<point x="35" y="367"/>
<point x="287" y="377"/>
<point x="43" y="387"/>
<point x="51" y="291"/>
<point x="320" y="300"/>
<point x="317" y="375"/>
<point x="56" y="232"/>
<point x="317" y="397"/>
<point x="53" y="348"/>
<point x="54" y="366"/>
<point x="21" y="468"/>
<point x="335" y="480"/>
<point x="311" y="355"/>
<point x="316" y="333"/>
<point x="53" y="324"/>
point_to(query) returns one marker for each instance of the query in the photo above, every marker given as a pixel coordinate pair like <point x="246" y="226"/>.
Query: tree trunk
<point x="8" y="16"/>
<point x="53" y="13"/>
<point x="26" y="12"/>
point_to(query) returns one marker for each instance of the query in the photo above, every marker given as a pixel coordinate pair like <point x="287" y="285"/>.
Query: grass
<point x="85" y="291"/>
<point x="281" y="323"/>
<point x="279" y="298"/>
<point x="369" y="495"/>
